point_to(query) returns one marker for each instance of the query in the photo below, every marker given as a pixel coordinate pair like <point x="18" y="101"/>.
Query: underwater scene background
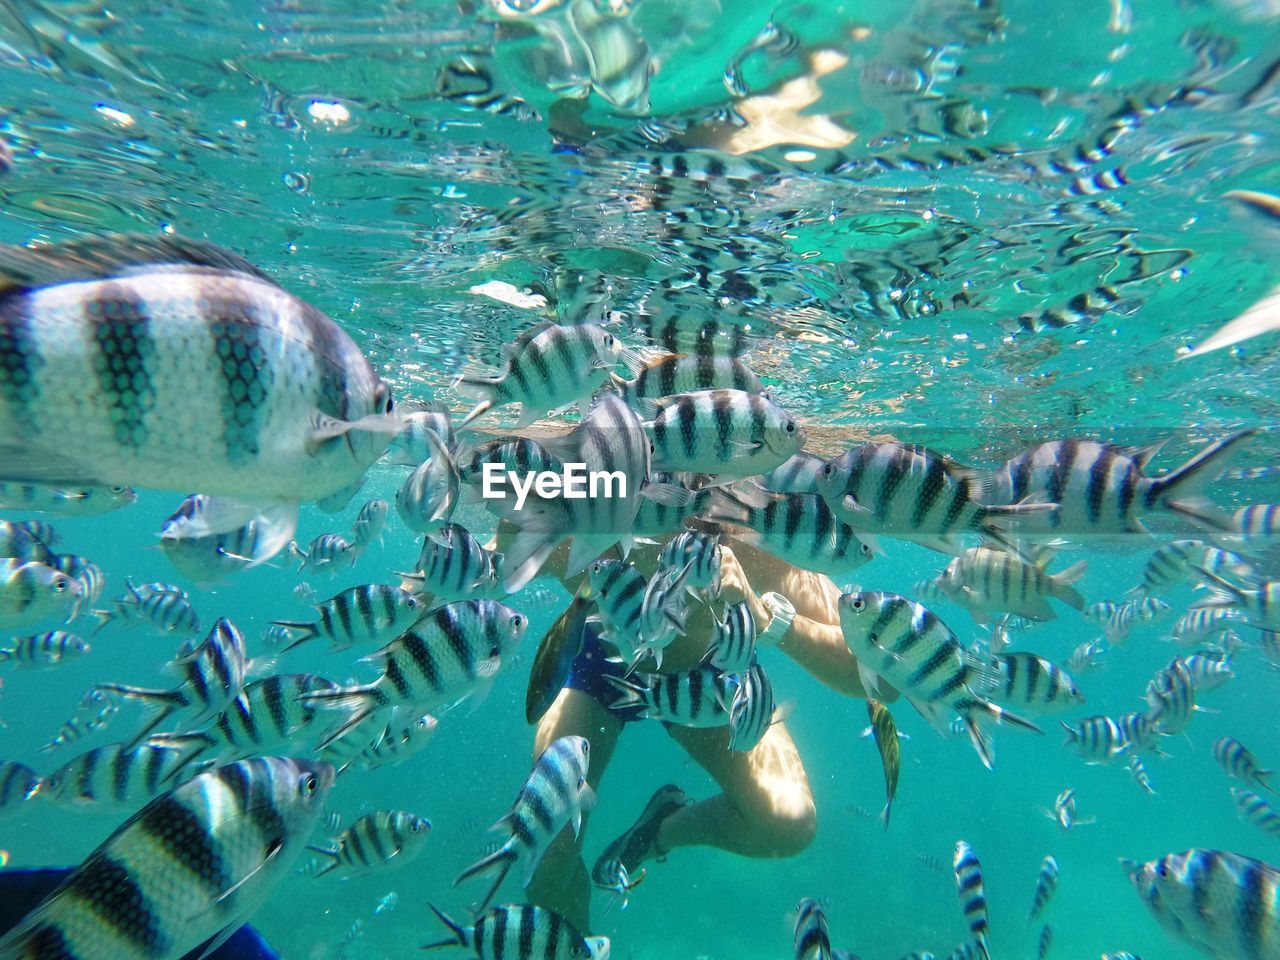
<point x="968" y="224"/>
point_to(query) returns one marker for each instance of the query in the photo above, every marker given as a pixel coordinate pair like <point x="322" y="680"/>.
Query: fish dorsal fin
<point x="516" y="346"/>
<point x="97" y="258"/>
<point x="1142" y="455"/>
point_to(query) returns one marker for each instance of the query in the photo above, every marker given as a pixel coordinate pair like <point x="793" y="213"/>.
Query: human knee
<point x="784" y="829"/>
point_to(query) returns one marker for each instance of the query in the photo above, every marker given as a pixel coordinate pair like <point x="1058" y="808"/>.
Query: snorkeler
<point x="766" y="808"/>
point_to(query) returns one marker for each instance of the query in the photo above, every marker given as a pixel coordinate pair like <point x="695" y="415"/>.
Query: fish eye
<point x="309" y="786"/>
<point x="608" y="339"/>
<point x="60" y="584"/>
<point x="417" y="826"/>
<point x="517" y="621"/>
<point x="828" y="470"/>
<point x="412" y="603"/>
<point x="791" y="426"/>
<point x="117" y="490"/>
<point x="866" y="548"/>
<point x="652" y="448"/>
<point x="858" y="603"/>
<point x="382" y="399"/>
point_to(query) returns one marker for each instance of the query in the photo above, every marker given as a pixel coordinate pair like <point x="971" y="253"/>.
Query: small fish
<point x="548" y="367"/>
<point x="1221" y="904"/>
<point x="1032" y="684"/>
<point x="1046" y="940"/>
<point x="663" y="609"/>
<point x="1046" y="884"/>
<point x="1102" y="488"/>
<point x="1064" y="811"/>
<point x="387" y="903"/>
<point x="1097" y="739"/>
<point x="212" y="675"/>
<point x="42" y="530"/>
<point x="1088" y="656"/>
<point x="555" y="795"/>
<point x="88" y="574"/>
<point x="18" y="784"/>
<point x="1170" y="565"/>
<point x="1139" y="732"/>
<point x="812" y="941"/>
<point x="886" y="736"/>
<point x="1171" y="698"/>
<point x="1257" y="811"/>
<point x="986" y="581"/>
<point x="1240" y="764"/>
<point x="369" y="523"/>
<point x="205" y="557"/>
<point x="751" y="710"/>
<point x="1139" y="772"/>
<point x="65" y="501"/>
<point x="189" y="867"/>
<point x="693" y="698"/>
<point x="669" y="374"/>
<point x="277" y="407"/>
<point x="1201" y="624"/>
<point x="797" y="475"/>
<point x="119" y="776"/>
<point x="1122" y="955"/>
<point x="276" y="635"/>
<point x="43" y="649"/>
<point x="454" y="652"/>
<point x="468" y="83"/>
<point x="160" y="607"/>
<point x="454" y="565"/>
<point x="372" y="614"/>
<point x="411" y="446"/>
<point x="1148" y="609"/>
<point x="911" y="648"/>
<point x="33" y="593"/>
<point x="798" y="528"/>
<point x="427" y="498"/>
<point x="702" y="552"/>
<point x="325" y="552"/>
<point x="385" y="838"/>
<point x="733" y="645"/>
<point x="728" y="433"/>
<point x="973" y="895"/>
<point x="618" y="590"/>
<point x="94" y="712"/>
<point x="1115" y="618"/>
<point x="521" y="932"/>
<point x="20" y="544"/>
<point x="391" y="746"/>
<point x="1209" y="672"/>
<point x="911" y="492"/>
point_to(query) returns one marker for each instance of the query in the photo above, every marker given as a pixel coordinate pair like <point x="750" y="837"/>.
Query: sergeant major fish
<point x="1046" y="884"/>
<point x="191" y="866"/>
<point x="521" y="932"/>
<point x="973" y="896"/>
<point x="33" y="593"/>
<point x="372" y="614"/>
<point x="385" y="838"/>
<point x="177" y="365"/>
<point x="1240" y="764"/>
<point x="454" y="565"/>
<point x="43" y="649"/>
<point x="65" y="501"/>
<point x="730" y="434"/>
<point x="751" y="711"/>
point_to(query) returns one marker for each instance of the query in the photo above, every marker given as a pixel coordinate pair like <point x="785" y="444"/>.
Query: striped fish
<point x="368" y="524"/>
<point x="672" y="373"/>
<point x="1148" y="609"/>
<point x="555" y="795"/>
<point x="1064" y="811"/>
<point x="34" y="593"/>
<point x="548" y="367"/>
<point x="1097" y="739"/>
<point x="1257" y="520"/>
<point x="1202" y="624"/>
<point x="1046" y="941"/>
<point x="212" y="675"/>
<point x="702" y="552"/>
<point x="65" y="501"/>
<point x="1258" y="606"/>
<point x="911" y="492"/>
<point x="660" y="517"/>
<point x="18" y="784"/>
<point x="372" y="614"/>
<point x="325" y="552"/>
<point x="43" y="649"/>
<point x="466" y="81"/>
<point x="427" y="498"/>
<point x="95" y="710"/>
<point x="986" y="581"/>
<point x="1209" y="672"/>
<point x="1046" y="884"/>
<point x="885" y="732"/>
<point x="797" y="475"/>
<point x="450" y="654"/>
<point x="751" y="710"/>
<point x="1088" y="656"/>
<point x="519" y="455"/>
<point x="1101" y="488"/>
<point x="733" y="644"/>
<point x="1221" y="904"/>
<point x="42" y="530"/>
<point x="1170" y="565"/>
<point x="210" y="557"/>
<point x="913" y="650"/>
<point x="693" y="698"/>
<point x="411" y="446"/>
<point x="521" y="932"/>
<point x="387" y="745"/>
<point x="728" y="433"/>
<point x="270" y="715"/>
<point x="19" y="543"/>
<point x="1171" y="698"/>
<point x="1033" y="684"/>
<point x="812" y="941"/>
<point x="454" y="565"/>
<point x="973" y="895"/>
<point x="119" y="776"/>
<point x="178" y="364"/>
<point x="375" y="842"/>
<point x="1138" y="770"/>
<point x="663" y="610"/>
<point x="160" y="607"/>
<point x="191" y="866"/>
<point x="1240" y="764"/>
<point x="1139" y="732"/>
<point x="88" y="574"/>
<point x="796" y="527"/>
<point x="1257" y="811"/>
<point x="618" y="590"/>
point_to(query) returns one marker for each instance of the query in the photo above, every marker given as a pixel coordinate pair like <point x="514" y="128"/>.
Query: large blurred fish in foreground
<point x="177" y="365"/>
<point x="1222" y="904"/>
<point x="186" y="871"/>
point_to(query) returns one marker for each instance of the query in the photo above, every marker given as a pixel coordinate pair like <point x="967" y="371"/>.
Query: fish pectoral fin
<point x="667" y="494"/>
<point x="325" y="427"/>
<point x="271" y="855"/>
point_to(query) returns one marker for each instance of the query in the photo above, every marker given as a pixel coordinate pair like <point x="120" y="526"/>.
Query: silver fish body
<point x="987" y="581"/>
<point x="208" y="558"/>
<point x="728" y="433"/>
<point x="973" y="895"/>
<point x="700" y="697"/>
<point x="326" y="552"/>
<point x="733" y="647"/>
<point x="670" y="374"/>
<point x="1046" y="884"/>
<point x="1209" y="672"/>
<point x="65" y="501"/>
<point x="699" y="549"/>
<point x="372" y="614"/>
<point x="119" y="776"/>
<point x="18" y="784"/>
<point x="796" y="527"/>
<point x="1257" y="811"/>
<point x="1088" y="656"/>
<point x="454" y="565"/>
<point x="427" y="498"/>
<point x="1033" y="684"/>
<point x="374" y="843"/>
<point x="812" y="941"/>
<point x="1171" y="698"/>
<point x="375" y="744"/>
<point x="411" y="446"/>
<point x="34" y="593"/>
<point x="1240" y="764"/>
<point x="193" y="864"/>
<point x="368" y="524"/>
<point x="43" y="649"/>
<point x="797" y="475"/>
<point x="159" y="607"/>
<point x="521" y="932"/>
<point x="751" y="710"/>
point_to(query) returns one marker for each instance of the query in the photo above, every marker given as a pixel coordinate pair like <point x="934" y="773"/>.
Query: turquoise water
<point x="877" y="287"/>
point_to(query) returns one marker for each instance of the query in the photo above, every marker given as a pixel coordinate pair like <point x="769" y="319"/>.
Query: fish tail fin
<point x="632" y="694"/>
<point x="502" y="860"/>
<point x="484" y="390"/>
<point x="1001" y="715"/>
<point x="1188" y="479"/>
<point x="1064" y="584"/>
<point x="309" y="631"/>
<point x="459" y="938"/>
<point x="361" y="702"/>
